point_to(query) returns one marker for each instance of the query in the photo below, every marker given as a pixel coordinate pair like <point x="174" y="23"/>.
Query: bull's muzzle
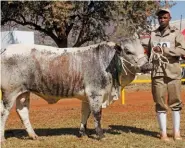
<point x="141" y="63"/>
<point x="147" y="67"/>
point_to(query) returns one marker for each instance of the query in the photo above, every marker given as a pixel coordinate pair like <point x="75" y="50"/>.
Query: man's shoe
<point x="164" y="137"/>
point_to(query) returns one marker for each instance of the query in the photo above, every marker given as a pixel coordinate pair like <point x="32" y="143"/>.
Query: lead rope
<point x="125" y="68"/>
<point x="158" y="56"/>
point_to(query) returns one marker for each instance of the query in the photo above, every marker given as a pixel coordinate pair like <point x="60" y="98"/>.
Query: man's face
<point x="164" y="19"/>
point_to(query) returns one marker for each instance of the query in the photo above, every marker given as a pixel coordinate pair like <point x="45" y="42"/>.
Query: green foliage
<point x="48" y="17"/>
<point x="73" y="23"/>
<point x="134" y="16"/>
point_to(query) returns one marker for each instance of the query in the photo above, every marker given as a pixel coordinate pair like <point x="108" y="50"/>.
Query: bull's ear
<point x="118" y="48"/>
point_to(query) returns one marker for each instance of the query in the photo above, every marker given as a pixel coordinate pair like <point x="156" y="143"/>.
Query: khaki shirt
<point x="173" y="44"/>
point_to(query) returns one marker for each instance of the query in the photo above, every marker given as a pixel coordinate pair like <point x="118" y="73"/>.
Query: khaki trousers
<point x="162" y="86"/>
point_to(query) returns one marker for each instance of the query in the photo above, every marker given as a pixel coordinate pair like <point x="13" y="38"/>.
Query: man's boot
<point x="176" y="125"/>
<point x="161" y="117"/>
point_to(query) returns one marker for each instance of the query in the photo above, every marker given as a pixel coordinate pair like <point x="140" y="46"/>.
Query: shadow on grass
<point x="117" y="129"/>
<point x="114" y="129"/>
<point x="21" y="133"/>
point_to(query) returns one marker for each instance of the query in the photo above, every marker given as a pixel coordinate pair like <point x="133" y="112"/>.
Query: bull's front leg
<point x="95" y="100"/>
<point x="85" y="112"/>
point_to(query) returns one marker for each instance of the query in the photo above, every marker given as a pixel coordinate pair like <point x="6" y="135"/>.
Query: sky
<point x="178" y="10"/>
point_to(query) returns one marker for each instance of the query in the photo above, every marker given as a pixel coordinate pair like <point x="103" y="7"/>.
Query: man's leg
<point x="176" y="125"/>
<point x="161" y="117"/>
<point x="175" y="103"/>
<point x="159" y="88"/>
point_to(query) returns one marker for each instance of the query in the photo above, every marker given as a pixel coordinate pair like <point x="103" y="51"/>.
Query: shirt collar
<point x="168" y="31"/>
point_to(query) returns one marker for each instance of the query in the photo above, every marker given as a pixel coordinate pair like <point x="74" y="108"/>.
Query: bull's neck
<point x="115" y="68"/>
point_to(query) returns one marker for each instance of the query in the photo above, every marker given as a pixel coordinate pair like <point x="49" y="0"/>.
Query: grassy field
<point x="122" y="130"/>
<point x="132" y="125"/>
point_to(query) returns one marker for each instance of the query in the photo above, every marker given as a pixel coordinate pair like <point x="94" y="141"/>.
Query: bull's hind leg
<point x="85" y="112"/>
<point x="22" y="108"/>
<point x="95" y="101"/>
<point x="7" y="101"/>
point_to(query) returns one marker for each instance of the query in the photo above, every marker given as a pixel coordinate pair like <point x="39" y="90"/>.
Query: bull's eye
<point x="127" y="51"/>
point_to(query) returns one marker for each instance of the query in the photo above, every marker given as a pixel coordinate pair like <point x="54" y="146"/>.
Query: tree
<point x="73" y="23"/>
<point x="137" y="16"/>
<point x="84" y="21"/>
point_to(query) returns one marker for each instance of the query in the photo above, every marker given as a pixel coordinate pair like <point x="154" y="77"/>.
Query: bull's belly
<point x="56" y="88"/>
<point x="51" y="99"/>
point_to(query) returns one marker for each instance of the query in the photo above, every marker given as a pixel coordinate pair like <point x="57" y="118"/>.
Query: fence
<point x="140" y="81"/>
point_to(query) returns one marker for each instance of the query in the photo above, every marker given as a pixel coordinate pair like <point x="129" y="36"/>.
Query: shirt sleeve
<point x="179" y="47"/>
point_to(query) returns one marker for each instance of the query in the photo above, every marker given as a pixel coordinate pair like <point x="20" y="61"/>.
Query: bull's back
<point x="41" y="71"/>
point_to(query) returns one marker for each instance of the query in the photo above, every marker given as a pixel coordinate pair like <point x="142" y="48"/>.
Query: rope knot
<point x="155" y="56"/>
<point x="125" y="68"/>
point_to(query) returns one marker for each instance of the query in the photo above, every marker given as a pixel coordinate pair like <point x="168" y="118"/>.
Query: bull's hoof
<point x="100" y="137"/>
<point x="33" y="136"/>
<point x="82" y="134"/>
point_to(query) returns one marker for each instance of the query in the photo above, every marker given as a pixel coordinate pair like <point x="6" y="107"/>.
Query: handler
<point x="166" y="76"/>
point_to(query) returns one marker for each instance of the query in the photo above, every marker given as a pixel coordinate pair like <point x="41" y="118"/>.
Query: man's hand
<point x="157" y="49"/>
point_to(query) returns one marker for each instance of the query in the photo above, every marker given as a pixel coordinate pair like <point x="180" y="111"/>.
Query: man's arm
<point x="179" y="47"/>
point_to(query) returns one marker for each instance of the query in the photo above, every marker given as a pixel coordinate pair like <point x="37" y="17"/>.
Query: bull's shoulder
<point x="102" y="43"/>
<point x="111" y="44"/>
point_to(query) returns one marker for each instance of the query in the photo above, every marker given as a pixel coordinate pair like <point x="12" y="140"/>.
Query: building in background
<point x="14" y="37"/>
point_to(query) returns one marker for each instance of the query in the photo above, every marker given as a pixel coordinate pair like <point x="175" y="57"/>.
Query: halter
<point x="123" y="60"/>
<point x="158" y="56"/>
<point x="125" y="68"/>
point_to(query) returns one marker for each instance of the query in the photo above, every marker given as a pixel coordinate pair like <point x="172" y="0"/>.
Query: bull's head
<point x="132" y="54"/>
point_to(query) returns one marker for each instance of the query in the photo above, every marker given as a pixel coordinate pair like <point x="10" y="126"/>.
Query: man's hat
<point x="162" y="10"/>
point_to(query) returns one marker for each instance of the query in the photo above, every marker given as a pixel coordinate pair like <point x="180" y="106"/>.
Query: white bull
<point x="94" y="74"/>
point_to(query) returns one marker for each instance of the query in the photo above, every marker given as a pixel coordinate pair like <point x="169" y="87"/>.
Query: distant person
<point x="166" y="78"/>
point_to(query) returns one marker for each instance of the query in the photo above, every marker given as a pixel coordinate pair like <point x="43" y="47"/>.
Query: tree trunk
<point x="62" y="43"/>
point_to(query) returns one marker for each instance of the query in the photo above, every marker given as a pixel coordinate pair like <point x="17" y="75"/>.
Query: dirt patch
<point x="135" y="100"/>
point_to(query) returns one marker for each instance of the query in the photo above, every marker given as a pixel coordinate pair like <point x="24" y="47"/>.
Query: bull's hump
<point x="70" y="50"/>
<point x="111" y="44"/>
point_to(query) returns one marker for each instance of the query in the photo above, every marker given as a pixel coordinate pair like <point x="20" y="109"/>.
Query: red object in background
<point x="183" y="32"/>
<point x="145" y="51"/>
